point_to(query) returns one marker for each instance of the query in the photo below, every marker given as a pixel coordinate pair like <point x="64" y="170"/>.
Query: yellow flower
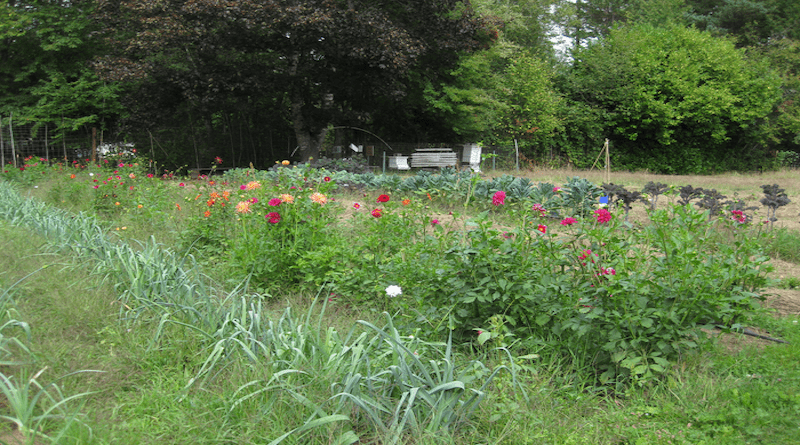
<point x="287" y="198"/>
<point x="285" y="162"/>
<point x="319" y="198"/>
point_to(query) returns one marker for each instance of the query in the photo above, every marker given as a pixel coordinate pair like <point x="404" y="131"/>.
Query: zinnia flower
<point x="356" y="205"/>
<point x="556" y="189"/>
<point x="319" y="198"/>
<point x="434" y="222"/>
<point x="327" y="179"/>
<point x="539" y="208"/>
<point x="542" y="228"/>
<point x="287" y="198"/>
<point x="499" y="198"/>
<point x="218" y="160"/>
<point x="406" y="202"/>
<point x="393" y="290"/>
<point x="603" y="215"/>
<point x="243" y="207"/>
<point x="207" y="213"/>
<point x="383" y="198"/>
<point x="568" y="221"/>
<point x="273" y="217"/>
<point x="252" y="185"/>
<point x="274" y="202"/>
<point x="377" y="213"/>
<point x="285" y="162"/>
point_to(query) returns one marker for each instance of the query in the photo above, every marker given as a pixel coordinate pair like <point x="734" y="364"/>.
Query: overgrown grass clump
<point x="514" y="305"/>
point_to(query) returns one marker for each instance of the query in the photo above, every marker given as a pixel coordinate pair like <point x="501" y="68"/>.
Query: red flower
<point x="273" y="217"/>
<point x="327" y="179"/>
<point x="542" y="228"/>
<point x="383" y="198"/>
<point x="377" y="213"/>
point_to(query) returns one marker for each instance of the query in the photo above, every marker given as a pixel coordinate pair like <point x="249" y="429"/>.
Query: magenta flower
<point x="273" y="217"/>
<point x="499" y="198"/>
<point x="377" y="213"/>
<point x="356" y="205"/>
<point x="275" y="202"/>
<point x="568" y="221"/>
<point x="603" y="215"/>
<point x="542" y="228"/>
<point x="539" y="208"/>
<point x="434" y="222"/>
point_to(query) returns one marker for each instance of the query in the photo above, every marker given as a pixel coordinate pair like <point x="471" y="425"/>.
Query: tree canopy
<point x="327" y="60"/>
<point x="675" y="99"/>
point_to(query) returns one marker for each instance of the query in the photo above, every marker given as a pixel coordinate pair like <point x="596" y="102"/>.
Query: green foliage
<point x="674" y="97"/>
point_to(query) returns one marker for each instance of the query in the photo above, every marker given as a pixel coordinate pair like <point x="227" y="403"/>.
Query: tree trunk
<point x="310" y="135"/>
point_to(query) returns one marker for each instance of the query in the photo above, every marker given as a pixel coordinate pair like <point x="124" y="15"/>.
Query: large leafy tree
<point x="45" y="47"/>
<point x="322" y="60"/>
<point x="675" y="100"/>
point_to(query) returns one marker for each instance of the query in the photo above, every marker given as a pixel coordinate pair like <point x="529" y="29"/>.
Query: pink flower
<point x="556" y="189"/>
<point x="499" y="198"/>
<point x="434" y="222"/>
<point x="377" y="213"/>
<point x="273" y="217"/>
<point x="253" y="200"/>
<point x="568" y="221"/>
<point x="603" y="215"/>
<point x="275" y="202"/>
<point x="327" y="179"/>
<point x="542" y="228"/>
<point x="179" y="185"/>
<point x="738" y="216"/>
<point x="539" y="208"/>
<point x="242" y="187"/>
<point x="356" y="205"/>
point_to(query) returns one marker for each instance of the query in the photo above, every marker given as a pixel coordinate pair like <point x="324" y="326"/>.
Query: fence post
<point x="11" y="132"/>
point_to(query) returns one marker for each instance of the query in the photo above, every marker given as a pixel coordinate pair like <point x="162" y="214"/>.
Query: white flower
<point x="393" y="290"/>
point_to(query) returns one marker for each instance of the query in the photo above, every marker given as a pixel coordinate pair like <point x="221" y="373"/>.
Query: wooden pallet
<point x="433" y="157"/>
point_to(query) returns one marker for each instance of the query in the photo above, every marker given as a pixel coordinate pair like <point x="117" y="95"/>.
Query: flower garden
<point x="458" y="288"/>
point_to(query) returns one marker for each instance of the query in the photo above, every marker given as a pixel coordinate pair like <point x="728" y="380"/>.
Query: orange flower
<point x="116" y="203"/>
<point x="178" y="206"/>
<point x="252" y="185"/>
<point x="210" y="202"/>
<point x="319" y="198"/>
<point x="406" y="202"/>
<point x="212" y="182"/>
<point x="214" y="195"/>
<point x="429" y="196"/>
<point x="226" y="194"/>
<point x="243" y="207"/>
<point x="207" y="214"/>
<point x="287" y="198"/>
<point x="72" y="176"/>
<point x="140" y="206"/>
<point x="198" y="196"/>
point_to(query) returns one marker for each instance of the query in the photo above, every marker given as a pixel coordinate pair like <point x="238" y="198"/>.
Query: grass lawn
<point x="82" y="365"/>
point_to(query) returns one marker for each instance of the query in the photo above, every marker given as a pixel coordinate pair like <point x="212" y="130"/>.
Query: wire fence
<point x="27" y="140"/>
